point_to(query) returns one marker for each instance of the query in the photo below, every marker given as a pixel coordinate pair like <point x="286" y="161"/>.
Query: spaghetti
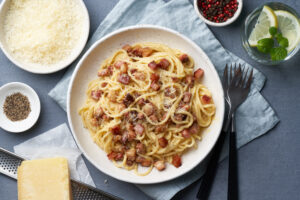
<point x="147" y="106"/>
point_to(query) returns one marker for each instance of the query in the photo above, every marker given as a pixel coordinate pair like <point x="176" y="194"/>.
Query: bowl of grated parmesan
<point x="43" y="36"/>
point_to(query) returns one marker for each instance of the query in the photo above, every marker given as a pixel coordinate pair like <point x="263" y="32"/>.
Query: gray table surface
<point x="269" y="167"/>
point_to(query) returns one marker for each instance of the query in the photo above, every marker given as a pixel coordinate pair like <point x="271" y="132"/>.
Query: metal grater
<point x="9" y="163"/>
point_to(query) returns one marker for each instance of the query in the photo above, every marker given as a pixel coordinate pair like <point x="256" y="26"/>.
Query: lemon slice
<point x="266" y="19"/>
<point x="289" y="26"/>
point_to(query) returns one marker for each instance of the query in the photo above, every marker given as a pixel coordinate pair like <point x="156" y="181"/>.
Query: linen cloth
<point x="57" y="142"/>
<point x="253" y="118"/>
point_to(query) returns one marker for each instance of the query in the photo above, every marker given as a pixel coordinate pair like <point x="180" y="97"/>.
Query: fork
<point x="237" y="92"/>
<point x="236" y="85"/>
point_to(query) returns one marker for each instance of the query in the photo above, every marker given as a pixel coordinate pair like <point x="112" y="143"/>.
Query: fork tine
<point x="242" y="74"/>
<point x="249" y="79"/>
<point x="245" y="77"/>
<point x="236" y="75"/>
<point x="230" y="73"/>
<point x="225" y="77"/>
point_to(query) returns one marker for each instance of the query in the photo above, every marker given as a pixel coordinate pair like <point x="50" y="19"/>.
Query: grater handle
<point x="9" y="163"/>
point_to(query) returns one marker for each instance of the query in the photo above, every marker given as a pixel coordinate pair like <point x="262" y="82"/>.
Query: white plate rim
<point x="222" y="109"/>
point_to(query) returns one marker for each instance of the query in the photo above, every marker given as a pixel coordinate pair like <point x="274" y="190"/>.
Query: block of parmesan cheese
<point x="44" y="179"/>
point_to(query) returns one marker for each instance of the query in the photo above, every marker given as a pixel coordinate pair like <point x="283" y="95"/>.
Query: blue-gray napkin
<point x="254" y="117"/>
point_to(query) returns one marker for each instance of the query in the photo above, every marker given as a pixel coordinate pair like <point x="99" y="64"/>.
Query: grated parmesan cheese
<point x="43" y="31"/>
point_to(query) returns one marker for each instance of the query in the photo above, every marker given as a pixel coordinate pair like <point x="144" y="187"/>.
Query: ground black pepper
<point x="16" y="107"/>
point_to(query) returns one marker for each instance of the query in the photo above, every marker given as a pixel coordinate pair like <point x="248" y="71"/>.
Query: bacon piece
<point x="206" y="99"/>
<point x="160" y="128"/>
<point x="148" y="109"/>
<point x="116" y="130"/>
<point x="119" y="156"/>
<point x="112" y="96"/>
<point x="141" y="102"/>
<point x="175" y="79"/>
<point x="118" y="64"/>
<point x="146" y="52"/>
<point x="140" y="148"/>
<point x="131" y="154"/>
<point x="155" y="86"/>
<point x="137" y="51"/>
<point x="176" y="161"/>
<point x="146" y="163"/>
<point x="189" y="79"/>
<point x="131" y="136"/>
<point x="115" y="156"/>
<point x="129" y="162"/>
<point x="154" y="77"/>
<point x="187" y="97"/>
<point x="164" y="64"/>
<point x="104" y="72"/>
<point x="139" y="159"/>
<point x="140" y="116"/>
<point x="129" y="99"/>
<point x="98" y="113"/>
<point x="153" y="118"/>
<point x="112" y="155"/>
<point x="163" y="142"/>
<point x="159" y="165"/>
<point x="184" y="58"/>
<point x="194" y="128"/>
<point x="186" y="133"/>
<point x="139" y="75"/>
<point x="96" y="94"/>
<point x="153" y="65"/>
<point x="198" y="74"/>
<point x="124" y="68"/>
<point x="127" y="48"/>
<point x="124" y="79"/>
<point x="139" y="129"/>
<point x="104" y="84"/>
<point x="117" y="138"/>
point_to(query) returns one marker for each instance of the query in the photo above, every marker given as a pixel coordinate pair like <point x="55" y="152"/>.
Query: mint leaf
<point x="278" y="36"/>
<point x="265" y="45"/>
<point x="278" y="53"/>
<point x="283" y="42"/>
<point x="273" y="30"/>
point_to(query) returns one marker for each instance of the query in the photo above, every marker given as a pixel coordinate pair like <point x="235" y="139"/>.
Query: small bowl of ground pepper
<point x="218" y="12"/>
<point x="19" y="107"/>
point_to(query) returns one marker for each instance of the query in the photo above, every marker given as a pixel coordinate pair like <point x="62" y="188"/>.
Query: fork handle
<point x="232" y="193"/>
<point x="210" y="173"/>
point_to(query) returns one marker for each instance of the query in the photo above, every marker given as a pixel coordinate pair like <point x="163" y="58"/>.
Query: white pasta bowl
<point x="86" y="71"/>
<point x="38" y="68"/>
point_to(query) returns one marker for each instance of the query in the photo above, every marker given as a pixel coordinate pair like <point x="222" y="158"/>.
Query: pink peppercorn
<point x="217" y="10"/>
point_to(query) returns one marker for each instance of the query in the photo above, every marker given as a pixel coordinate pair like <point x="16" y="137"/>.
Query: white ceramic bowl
<point x="229" y="21"/>
<point x="35" y="105"/>
<point x="86" y="71"/>
<point x="33" y="68"/>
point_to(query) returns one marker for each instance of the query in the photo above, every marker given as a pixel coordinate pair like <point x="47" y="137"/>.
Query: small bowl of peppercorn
<point x="19" y="107"/>
<point x="218" y="12"/>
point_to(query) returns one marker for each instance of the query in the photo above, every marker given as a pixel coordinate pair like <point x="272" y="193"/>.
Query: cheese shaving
<point x="43" y="32"/>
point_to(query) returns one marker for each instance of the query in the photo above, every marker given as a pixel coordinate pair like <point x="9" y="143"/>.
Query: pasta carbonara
<point x="147" y="107"/>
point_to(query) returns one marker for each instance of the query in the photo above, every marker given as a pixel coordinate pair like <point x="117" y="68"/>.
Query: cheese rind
<point x="44" y="179"/>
